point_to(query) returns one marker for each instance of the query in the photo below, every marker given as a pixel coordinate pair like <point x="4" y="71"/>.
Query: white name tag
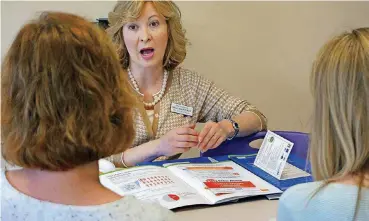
<point x="181" y="109"/>
<point x="273" y="154"/>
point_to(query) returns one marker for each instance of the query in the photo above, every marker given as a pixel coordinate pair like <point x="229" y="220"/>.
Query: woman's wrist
<point x="145" y="152"/>
<point x="227" y="126"/>
<point x="123" y="161"/>
<point x="156" y="148"/>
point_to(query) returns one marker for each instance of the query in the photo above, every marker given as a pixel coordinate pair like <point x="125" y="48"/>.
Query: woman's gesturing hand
<point x="178" y="140"/>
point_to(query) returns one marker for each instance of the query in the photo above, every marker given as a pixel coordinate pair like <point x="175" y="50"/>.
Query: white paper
<point x="106" y="166"/>
<point x="290" y="172"/>
<point x="222" y="181"/>
<point x="153" y="184"/>
<point x="273" y="154"/>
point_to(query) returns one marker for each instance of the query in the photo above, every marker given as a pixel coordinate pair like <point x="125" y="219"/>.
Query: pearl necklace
<point x="157" y="96"/>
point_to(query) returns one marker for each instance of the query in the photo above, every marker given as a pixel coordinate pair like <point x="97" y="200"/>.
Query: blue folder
<point x="189" y="160"/>
<point x="247" y="162"/>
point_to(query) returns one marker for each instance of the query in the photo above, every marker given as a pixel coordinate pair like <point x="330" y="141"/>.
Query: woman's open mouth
<point x="147" y="53"/>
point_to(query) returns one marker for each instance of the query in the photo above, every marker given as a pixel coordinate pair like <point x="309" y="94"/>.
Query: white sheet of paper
<point x="273" y="154"/>
<point x="106" y="166"/>
<point x="290" y="172"/>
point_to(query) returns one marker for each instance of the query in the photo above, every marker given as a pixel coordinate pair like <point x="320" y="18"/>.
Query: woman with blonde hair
<point x="151" y="44"/>
<point x="339" y="150"/>
<point x="64" y="106"/>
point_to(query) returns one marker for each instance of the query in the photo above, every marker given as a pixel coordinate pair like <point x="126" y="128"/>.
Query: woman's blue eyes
<point x="134" y="27"/>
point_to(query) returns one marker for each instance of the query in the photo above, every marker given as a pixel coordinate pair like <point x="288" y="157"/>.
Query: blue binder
<point x="247" y="162"/>
<point x="189" y="160"/>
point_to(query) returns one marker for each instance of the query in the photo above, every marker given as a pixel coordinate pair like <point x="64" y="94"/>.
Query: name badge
<point x="181" y="109"/>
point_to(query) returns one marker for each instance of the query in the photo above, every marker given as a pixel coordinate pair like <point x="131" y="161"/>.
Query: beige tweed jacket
<point x="190" y="89"/>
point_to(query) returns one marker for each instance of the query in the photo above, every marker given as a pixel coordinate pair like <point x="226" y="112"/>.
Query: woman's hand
<point x="178" y="140"/>
<point x="213" y="134"/>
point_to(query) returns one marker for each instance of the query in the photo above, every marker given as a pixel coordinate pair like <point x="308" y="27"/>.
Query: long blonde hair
<point x="340" y="83"/>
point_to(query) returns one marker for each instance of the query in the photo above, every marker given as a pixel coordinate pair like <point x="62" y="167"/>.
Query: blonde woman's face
<point x="146" y="38"/>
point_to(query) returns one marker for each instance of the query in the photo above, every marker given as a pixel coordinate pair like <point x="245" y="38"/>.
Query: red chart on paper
<point x="174" y="197"/>
<point x="229" y="184"/>
<point x="171" y="197"/>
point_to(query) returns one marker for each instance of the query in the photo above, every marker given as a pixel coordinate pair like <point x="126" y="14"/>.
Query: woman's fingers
<point x="209" y="137"/>
<point x="205" y="130"/>
<point x="219" y="141"/>
<point x="186" y="131"/>
<point x="185" y="144"/>
<point x="187" y="138"/>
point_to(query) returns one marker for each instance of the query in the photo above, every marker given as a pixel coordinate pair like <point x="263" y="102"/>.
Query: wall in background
<point x="260" y="51"/>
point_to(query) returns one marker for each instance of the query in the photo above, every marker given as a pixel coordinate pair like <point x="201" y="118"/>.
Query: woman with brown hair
<point x="151" y="44"/>
<point x="64" y="106"/>
<point x="339" y="150"/>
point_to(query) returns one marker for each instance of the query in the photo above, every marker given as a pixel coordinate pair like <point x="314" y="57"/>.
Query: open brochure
<point x="179" y="185"/>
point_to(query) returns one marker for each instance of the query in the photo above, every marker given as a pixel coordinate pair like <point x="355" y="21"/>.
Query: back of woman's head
<point x="340" y="83"/>
<point x="64" y="99"/>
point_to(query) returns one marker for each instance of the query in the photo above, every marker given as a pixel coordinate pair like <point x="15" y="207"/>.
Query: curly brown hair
<point x="65" y="101"/>
<point x="126" y="11"/>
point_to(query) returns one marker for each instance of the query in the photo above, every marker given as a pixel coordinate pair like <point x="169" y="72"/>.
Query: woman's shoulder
<point x="332" y="198"/>
<point x="18" y="206"/>
<point x="189" y="76"/>
<point x="180" y="70"/>
<point x="299" y="193"/>
<point x="320" y="191"/>
<point x="129" y="206"/>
